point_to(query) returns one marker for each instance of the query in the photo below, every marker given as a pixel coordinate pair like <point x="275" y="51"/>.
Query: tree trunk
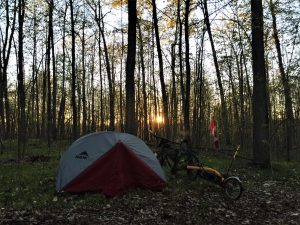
<point x="31" y="104"/>
<point x="181" y="67"/>
<point x="174" y="111"/>
<point x="153" y="75"/>
<point x="161" y="72"/>
<point x="130" y="120"/>
<point x="2" y="116"/>
<point x="62" y="105"/>
<point x="241" y="88"/>
<point x="93" y="124"/>
<point x="96" y="8"/>
<point x="102" y="125"/>
<point x="54" y="80"/>
<point x="198" y="112"/>
<point x="234" y="94"/>
<point x="241" y="98"/>
<point x="73" y="76"/>
<point x="121" y="77"/>
<point x="6" y="51"/>
<point x="220" y="84"/>
<point x="286" y="87"/>
<point x="79" y="96"/>
<point x="261" y="151"/>
<point x="109" y="75"/>
<point x="84" y="110"/>
<point x="44" y="95"/>
<point x="21" y="89"/>
<point x="145" y="108"/>
<point x="188" y="73"/>
<point x="48" y="60"/>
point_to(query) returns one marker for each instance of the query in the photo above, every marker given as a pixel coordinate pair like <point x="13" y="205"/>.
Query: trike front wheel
<point x="233" y="188"/>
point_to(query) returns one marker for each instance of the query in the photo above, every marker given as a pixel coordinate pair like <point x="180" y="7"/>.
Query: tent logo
<point x="82" y="155"/>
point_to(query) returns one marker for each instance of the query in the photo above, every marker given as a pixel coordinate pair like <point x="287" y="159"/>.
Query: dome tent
<point x="109" y="163"/>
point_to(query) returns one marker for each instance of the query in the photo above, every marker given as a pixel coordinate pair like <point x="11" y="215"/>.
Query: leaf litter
<point x="264" y="201"/>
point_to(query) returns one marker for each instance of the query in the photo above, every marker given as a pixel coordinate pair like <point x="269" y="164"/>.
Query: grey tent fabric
<point x="87" y="149"/>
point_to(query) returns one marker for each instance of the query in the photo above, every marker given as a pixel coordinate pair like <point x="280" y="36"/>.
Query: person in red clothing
<point x="214" y="132"/>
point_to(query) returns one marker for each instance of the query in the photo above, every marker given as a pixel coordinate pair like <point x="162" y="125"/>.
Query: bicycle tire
<point x="233" y="188"/>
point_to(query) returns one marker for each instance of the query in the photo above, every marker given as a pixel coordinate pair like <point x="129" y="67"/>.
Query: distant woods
<point x="68" y="68"/>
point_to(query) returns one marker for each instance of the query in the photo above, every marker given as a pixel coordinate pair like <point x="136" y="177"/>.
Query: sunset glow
<point x="159" y="119"/>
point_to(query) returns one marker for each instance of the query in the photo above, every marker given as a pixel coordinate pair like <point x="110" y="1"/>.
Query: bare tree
<point x="54" y="77"/>
<point x="130" y="121"/>
<point x="220" y="84"/>
<point x="97" y="10"/>
<point x="62" y="105"/>
<point x="174" y="110"/>
<point x="6" y="51"/>
<point x="261" y="151"/>
<point x="145" y="107"/>
<point x="286" y="86"/>
<point x="84" y="101"/>
<point x="188" y="72"/>
<point x="73" y="76"/>
<point x="48" y="72"/>
<point x="109" y="76"/>
<point x="161" y="71"/>
<point x="21" y="76"/>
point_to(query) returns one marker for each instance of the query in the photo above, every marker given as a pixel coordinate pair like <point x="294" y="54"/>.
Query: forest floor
<point x="271" y="196"/>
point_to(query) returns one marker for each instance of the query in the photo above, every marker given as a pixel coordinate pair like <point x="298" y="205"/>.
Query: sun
<point x="159" y="119"/>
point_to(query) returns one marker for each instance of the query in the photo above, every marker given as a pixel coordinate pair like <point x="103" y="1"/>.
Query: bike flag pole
<point x="233" y="157"/>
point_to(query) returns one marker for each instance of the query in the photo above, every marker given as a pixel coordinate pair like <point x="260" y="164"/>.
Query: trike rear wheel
<point x="233" y="188"/>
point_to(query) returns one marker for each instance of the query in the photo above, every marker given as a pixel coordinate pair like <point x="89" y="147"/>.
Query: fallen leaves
<point x="266" y="201"/>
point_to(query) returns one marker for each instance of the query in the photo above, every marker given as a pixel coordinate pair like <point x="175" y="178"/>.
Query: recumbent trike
<point x="232" y="185"/>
